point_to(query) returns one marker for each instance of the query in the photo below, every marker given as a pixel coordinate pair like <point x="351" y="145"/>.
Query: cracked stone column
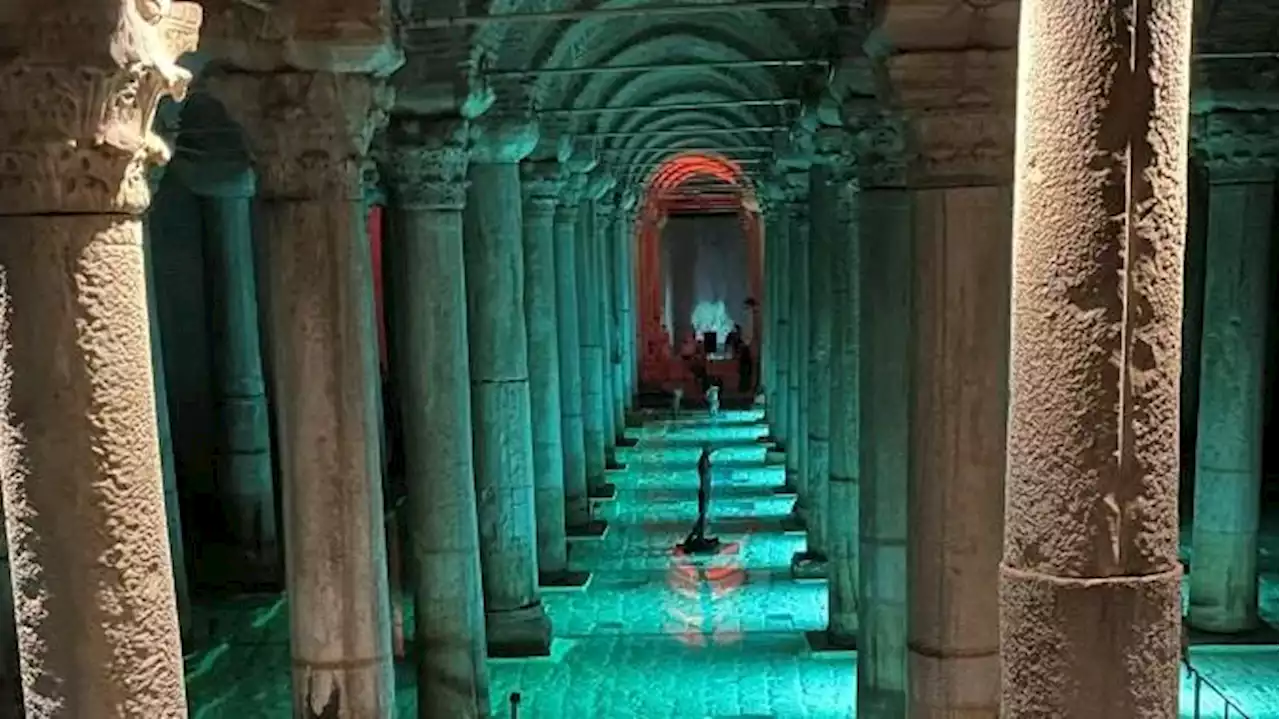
<point x="1089" y="582"/>
<point x="244" y="477"/>
<point x="310" y="132"/>
<point x="883" y="395"/>
<point x="97" y="625"/>
<point x="590" y="291"/>
<point x="777" y="240"/>
<point x="541" y="183"/>
<point x="842" y="490"/>
<point x="426" y="167"/>
<point x="959" y="174"/>
<point x="798" y="335"/>
<point x="515" y="619"/>
<point x="1239" y="154"/>
<point x="577" y="504"/>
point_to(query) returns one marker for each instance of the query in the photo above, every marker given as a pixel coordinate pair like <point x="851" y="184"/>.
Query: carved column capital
<point x="960" y="113"/>
<point x="426" y="163"/>
<point x="1236" y="146"/>
<point x="308" y="132"/>
<point x="572" y="193"/>
<point x="75" y="121"/>
<point x="503" y="139"/>
<point x="541" y="182"/>
<point x="882" y="149"/>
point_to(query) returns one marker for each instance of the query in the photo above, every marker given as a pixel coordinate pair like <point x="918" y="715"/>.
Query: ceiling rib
<point x="672" y="106"/>
<point x="616" y="12"/>
<point x="647" y="67"/>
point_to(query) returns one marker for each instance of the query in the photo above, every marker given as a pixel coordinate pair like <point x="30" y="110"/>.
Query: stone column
<point x="829" y="165"/>
<point x="959" y="176"/>
<point x="516" y="622"/>
<point x="1239" y="153"/>
<point x="628" y="322"/>
<point x="616" y="251"/>
<point x="96" y="624"/>
<point x="884" y="394"/>
<point x="590" y="291"/>
<point x="843" y="485"/>
<point x="310" y="133"/>
<point x="1089" y="583"/>
<point x="164" y="432"/>
<point x="798" y="335"/>
<point x="604" y="235"/>
<point x="577" y="504"/>
<point x="778" y="241"/>
<point x="244" y="478"/>
<point x="541" y="184"/>
<point x="426" y="169"/>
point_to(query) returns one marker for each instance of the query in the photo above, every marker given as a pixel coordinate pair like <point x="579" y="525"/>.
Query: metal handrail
<point x="1230" y="710"/>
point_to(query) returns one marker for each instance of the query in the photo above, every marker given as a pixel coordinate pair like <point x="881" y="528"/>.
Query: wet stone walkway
<point x="658" y="635"/>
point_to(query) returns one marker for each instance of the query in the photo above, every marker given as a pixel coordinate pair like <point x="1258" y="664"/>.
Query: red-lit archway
<point x="663" y="196"/>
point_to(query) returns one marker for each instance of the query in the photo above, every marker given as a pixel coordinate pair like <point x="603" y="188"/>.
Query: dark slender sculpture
<point x="698" y="541"/>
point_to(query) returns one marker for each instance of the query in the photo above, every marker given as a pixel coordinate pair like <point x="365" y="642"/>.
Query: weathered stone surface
<point x="842" y="490"/>
<point x="1091" y="519"/>
<point x="430" y="368"/>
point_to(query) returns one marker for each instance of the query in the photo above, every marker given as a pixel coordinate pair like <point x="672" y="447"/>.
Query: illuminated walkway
<point x="656" y="636"/>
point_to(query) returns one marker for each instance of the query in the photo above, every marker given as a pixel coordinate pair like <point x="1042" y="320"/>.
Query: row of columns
<point x="914" y="297"/>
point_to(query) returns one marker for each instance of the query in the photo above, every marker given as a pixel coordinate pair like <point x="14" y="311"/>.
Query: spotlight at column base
<point x="523" y="632"/>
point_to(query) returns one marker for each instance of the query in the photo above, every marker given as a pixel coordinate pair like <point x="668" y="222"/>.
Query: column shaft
<point x="884" y="395"/>
<point x="427" y="306"/>
<point x="842" y="498"/>
<point x="93" y="611"/>
<point x="515" y="618"/>
<point x="1229" y="444"/>
<point x="324" y="368"/>
<point x="244" y="460"/>
<point x="589" y="350"/>
<point x="798" y="352"/>
<point x="544" y="368"/>
<point x="577" y="505"/>
<point x="960" y="303"/>
<point x="1089" y="582"/>
<point x="600" y="248"/>
<point x="818" y="356"/>
<point x="780" y="338"/>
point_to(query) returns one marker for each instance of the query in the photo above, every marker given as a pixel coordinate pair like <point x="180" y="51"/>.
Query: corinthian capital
<point x="309" y="132"/>
<point x="79" y="90"/>
<point x="426" y="163"/>
<point x="1236" y="146"/>
<point x="541" y="182"/>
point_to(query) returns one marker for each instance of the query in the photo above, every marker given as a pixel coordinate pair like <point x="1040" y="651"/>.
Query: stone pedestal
<point x="243" y="477"/>
<point x="310" y="132"/>
<point x="516" y="622"/>
<point x="541" y="185"/>
<point x="1089" y="582"/>
<point x="97" y="625"/>
<point x="798" y="337"/>
<point x="1239" y="153"/>
<point x="884" y="393"/>
<point x="427" y="309"/>
<point x="842" y="486"/>
<point x="577" y="504"/>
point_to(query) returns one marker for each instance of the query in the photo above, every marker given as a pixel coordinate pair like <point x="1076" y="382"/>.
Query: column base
<point x="881" y="702"/>
<point x="808" y="565"/>
<point x="602" y="491"/>
<point x="523" y="632"/>
<point x="611" y="464"/>
<point x="564" y="580"/>
<point x="829" y="642"/>
<point x="595" y="529"/>
<point x="624" y="441"/>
